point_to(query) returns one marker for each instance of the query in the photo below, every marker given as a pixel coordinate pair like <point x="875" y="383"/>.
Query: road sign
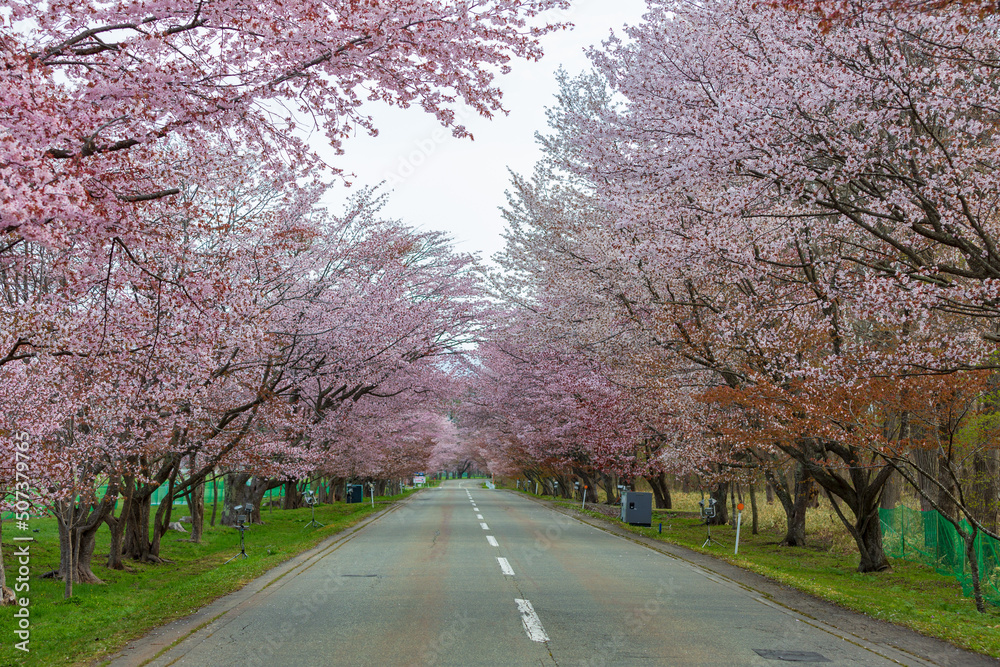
<point x="419" y="479"/>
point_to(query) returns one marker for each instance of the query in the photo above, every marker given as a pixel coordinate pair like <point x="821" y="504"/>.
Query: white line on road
<point x="479" y="516"/>
<point x="485" y="527"/>
<point x="531" y="622"/>
<point x="505" y="567"/>
<point x="492" y="540"/>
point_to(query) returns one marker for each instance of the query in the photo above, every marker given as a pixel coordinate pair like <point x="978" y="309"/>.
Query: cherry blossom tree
<point x="788" y="213"/>
<point x="150" y="319"/>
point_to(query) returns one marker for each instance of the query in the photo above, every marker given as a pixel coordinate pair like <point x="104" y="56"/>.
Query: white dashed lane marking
<point x="492" y="540"/>
<point x="485" y="527"/>
<point x="532" y="624"/>
<point x="505" y="567"/>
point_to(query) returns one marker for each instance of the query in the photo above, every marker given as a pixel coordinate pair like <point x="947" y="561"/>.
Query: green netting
<point x="928" y="538"/>
<point x="269" y="495"/>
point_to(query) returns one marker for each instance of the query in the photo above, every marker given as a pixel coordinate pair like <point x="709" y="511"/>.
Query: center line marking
<point x="479" y="516"/>
<point x="485" y="527"/>
<point x="492" y="540"/>
<point x="505" y="567"/>
<point x="532" y="624"/>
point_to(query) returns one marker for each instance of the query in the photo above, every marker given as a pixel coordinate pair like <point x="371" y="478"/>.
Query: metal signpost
<point x="708" y="512"/>
<point x="310" y="500"/>
<point x="241" y="525"/>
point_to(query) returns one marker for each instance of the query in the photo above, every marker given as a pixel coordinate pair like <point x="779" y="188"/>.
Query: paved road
<point x="467" y="576"/>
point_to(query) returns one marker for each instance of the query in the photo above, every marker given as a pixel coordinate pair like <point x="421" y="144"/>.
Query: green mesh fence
<point x="926" y="537"/>
<point x="210" y="494"/>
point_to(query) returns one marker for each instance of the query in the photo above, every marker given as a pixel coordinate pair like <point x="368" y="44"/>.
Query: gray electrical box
<point x="637" y="508"/>
<point x="355" y="493"/>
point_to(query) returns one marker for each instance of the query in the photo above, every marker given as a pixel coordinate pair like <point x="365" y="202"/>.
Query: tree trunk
<point x="925" y="461"/>
<point x="78" y="525"/>
<point x="873" y="558"/>
<point x="323" y="490"/>
<point x="983" y="489"/>
<point x="803" y="497"/>
<point x="116" y="525"/>
<point x="947" y="483"/>
<point x="196" y="507"/>
<point x="586" y="484"/>
<point x="857" y="479"/>
<point x="258" y="487"/>
<point x="973" y="560"/>
<point x="721" y="495"/>
<point x="795" y="521"/>
<point x="292" y="497"/>
<point x="892" y="492"/>
<point x="7" y="596"/>
<point x="239" y="493"/>
<point x="161" y="522"/>
<point x="136" y="544"/>
<point x="753" y="506"/>
<point x="215" y="499"/>
<point x="866" y="529"/>
<point x="897" y="427"/>
<point x="236" y="493"/>
<point x="661" y="491"/>
<point x="565" y="489"/>
<point x="609" y="482"/>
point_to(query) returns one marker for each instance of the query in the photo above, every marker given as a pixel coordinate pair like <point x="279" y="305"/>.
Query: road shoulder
<point x="146" y="649"/>
<point x="824" y="614"/>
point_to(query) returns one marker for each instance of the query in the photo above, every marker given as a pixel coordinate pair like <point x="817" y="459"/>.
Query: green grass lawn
<point x="911" y="595"/>
<point x="100" y="619"/>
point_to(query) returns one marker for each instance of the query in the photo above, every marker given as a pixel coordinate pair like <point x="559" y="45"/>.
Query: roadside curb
<point x="160" y="640"/>
<point x="849" y="625"/>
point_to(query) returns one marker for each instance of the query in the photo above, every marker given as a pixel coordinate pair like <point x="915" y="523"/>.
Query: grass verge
<point x="911" y="595"/>
<point x="100" y="619"/>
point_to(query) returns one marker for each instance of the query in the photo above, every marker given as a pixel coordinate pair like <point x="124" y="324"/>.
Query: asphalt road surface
<point x="463" y="575"/>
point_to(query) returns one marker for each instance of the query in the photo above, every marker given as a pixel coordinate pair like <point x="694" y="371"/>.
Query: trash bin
<point x="637" y="508"/>
<point x="355" y="493"/>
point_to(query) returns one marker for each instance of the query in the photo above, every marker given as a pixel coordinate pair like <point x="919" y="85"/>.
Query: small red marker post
<point x="739" y="519"/>
<point x="584" y="505"/>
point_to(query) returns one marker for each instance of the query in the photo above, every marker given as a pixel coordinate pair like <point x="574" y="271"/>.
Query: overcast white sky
<point x="457" y="185"/>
